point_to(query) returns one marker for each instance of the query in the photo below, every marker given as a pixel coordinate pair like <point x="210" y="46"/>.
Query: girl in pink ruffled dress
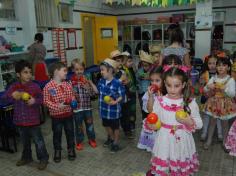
<point x="174" y="151"/>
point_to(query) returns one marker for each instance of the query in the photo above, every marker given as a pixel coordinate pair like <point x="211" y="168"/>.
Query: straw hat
<point x="111" y="63"/>
<point x="115" y="53"/>
<point x="126" y="53"/>
<point x="145" y="57"/>
<point x="233" y="67"/>
<point x="155" y="48"/>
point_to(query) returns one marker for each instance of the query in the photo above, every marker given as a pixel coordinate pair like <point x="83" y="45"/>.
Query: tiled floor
<point x="99" y="162"/>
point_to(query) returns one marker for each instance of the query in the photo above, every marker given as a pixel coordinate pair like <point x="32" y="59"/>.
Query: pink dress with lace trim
<point x="231" y="140"/>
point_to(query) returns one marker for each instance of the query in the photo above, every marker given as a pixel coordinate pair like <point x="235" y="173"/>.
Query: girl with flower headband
<point x="209" y="70"/>
<point x="174" y="151"/>
<point x="220" y="104"/>
<point x="230" y="143"/>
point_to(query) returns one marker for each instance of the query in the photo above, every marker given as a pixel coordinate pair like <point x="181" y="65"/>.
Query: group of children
<point x="163" y="88"/>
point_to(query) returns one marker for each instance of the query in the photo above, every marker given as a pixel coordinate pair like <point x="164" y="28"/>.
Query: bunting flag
<point x="153" y="3"/>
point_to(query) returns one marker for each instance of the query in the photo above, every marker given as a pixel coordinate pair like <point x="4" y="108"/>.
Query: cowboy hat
<point x="145" y="57"/>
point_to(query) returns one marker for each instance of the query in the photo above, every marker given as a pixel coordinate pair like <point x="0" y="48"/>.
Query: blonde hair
<point x="77" y="61"/>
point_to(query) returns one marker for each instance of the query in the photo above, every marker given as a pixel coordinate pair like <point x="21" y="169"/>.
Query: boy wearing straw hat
<point x="112" y="94"/>
<point x="155" y="51"/>
<point x="143" y="76"/>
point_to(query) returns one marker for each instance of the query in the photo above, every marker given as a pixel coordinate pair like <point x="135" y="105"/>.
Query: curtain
<point x="46" y="13"/>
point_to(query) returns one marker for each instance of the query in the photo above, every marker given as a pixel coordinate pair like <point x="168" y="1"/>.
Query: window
<point x="65" y="12"/>
<point x="7" y="9"/>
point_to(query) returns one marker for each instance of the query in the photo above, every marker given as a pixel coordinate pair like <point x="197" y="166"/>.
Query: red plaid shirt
<point x="54" y="94"/>
<point x="83" y="96"/>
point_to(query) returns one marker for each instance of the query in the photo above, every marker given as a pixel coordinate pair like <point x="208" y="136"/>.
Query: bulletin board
<point x="71" y="39"/>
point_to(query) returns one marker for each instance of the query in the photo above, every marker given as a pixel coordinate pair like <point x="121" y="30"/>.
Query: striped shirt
<point x="114" y="89"/>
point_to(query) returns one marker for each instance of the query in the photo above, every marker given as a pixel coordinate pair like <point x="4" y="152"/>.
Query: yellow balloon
<point x="180" y="114"/>
<point x="158" y="124"/>
<point x="25" y="96"/>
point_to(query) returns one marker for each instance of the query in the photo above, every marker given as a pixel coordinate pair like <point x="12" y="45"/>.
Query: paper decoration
<point x="153" y="3"/>
<point x="57" y="2"/>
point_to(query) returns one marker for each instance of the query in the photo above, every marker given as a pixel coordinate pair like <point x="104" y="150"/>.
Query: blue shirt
<point x="142" y="84"/>
<point x="114" y="89"/>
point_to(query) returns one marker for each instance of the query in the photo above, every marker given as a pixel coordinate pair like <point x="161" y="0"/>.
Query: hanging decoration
<point x="153" y="3"/>
<point x="57" y="2"/>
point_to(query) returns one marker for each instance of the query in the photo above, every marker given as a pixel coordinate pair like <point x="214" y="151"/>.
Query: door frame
<point x="82" y="15"/>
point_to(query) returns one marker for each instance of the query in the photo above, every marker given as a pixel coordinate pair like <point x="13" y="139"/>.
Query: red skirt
<point x="40" y="72"/>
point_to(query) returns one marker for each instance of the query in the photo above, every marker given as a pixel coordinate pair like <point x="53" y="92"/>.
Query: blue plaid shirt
<point x="115" y="90"/>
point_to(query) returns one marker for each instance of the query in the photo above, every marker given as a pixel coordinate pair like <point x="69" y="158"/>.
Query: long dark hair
<point x="177" y="35"/>
<point x="158" y="70"/>
<point x="184" y="78"/>
<point x="172" y="58"/>
<point x="206" y="60"/>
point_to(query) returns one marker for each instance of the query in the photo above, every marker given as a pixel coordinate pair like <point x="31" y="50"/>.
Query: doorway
<point x="88" y="34"/>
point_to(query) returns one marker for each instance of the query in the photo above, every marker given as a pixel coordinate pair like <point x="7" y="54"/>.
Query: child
<point x="84" y="90"/>
<point x="110" y="109"/>
<point x="155" y="51"/>
<point x="209" y="70"/>
<point x="27" y="114"/>
<point x="147" y="137"/>
<point x="174" y="151"/>
<point x="143" y="77"/>
<point x="117" y="56"/>
<point x="220" y="104"/>
<point x="56" y="95"/>
<point x="230" y="143"/>
<point x="131" y="92"/>
<point x="38" y="52"/>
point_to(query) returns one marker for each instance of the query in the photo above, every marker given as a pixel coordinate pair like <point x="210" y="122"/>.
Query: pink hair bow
<point x="182" y="67"/>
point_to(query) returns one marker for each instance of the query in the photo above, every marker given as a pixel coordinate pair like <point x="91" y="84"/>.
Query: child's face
<point x="212" y="64"/>
<point x="119" y="60"/>
<point x="156" y="57"/>
<point x="156" y="79"/>
<point x="174" y="86"/>
<point x="222" y="69"/>
<point x="129" y="63"/>
<point x="61" y="73"/>
<point x="233" y="74"/>
<point x="105" y="72"/>
<point x="146" y="66"/>
<point x="78" y="69"/>
<point x="25" y="75"/>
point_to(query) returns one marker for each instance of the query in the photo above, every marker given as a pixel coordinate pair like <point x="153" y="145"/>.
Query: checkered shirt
<point x="54" y="94"/>
<point x="115" y="90"/>
<point x="25" y="115"/>
<point x="83" y="96"/>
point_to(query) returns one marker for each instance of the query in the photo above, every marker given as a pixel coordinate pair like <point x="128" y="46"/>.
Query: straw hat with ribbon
<point x="155" y="49"/>
<point x="111" y="63"/>
<point x="145" y="57"/>
<point x="115" y="53"/>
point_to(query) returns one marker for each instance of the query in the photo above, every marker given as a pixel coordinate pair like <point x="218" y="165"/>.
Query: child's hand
<point x="186" y="121"/>
<point x="150" y="91"/>
<point x="31" y="101"/>
<point x="62" y="105"/>
<point x="152" y="126"/>
<point x="112" y="102"/>
<point x="16" y="95"/>
<point x="211" y="86"/>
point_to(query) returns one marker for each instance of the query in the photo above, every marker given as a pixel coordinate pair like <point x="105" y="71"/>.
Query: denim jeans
<point x="87" y="117"/>
<point x="34" y="132"/>
<point x="57" y="125"/>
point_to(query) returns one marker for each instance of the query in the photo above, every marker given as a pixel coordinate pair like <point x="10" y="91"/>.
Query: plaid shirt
<point x="25" y="115"/>
<point x="82" y="95"/>
<point x="114" y="89"/>
<point x="54" y="94"/>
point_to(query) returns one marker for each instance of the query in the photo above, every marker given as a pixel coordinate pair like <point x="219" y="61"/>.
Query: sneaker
<point x="79" y="146"/>
<point x="93" y="143"/>
<point x="220" y="139"/>
<point x="42" y="165"/>
<point x="203" y="138"/>
<point x="71" y="154"/>
<point x="57" y="156"/>
<point x="114" y="148"/>
<point x="23" y="162"/>
<point x="108" y="142"/>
